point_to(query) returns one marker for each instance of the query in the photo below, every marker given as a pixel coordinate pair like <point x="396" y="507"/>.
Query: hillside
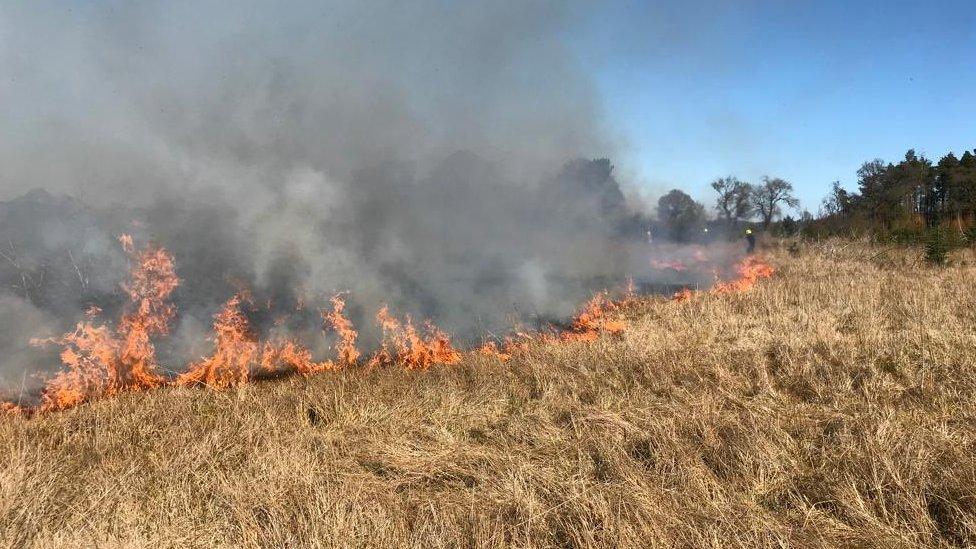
<point x="831" y="405"/>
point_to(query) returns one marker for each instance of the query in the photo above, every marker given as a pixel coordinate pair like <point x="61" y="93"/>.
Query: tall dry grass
<point x="834" y="405"/>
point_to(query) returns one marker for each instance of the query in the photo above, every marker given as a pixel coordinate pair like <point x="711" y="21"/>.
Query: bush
<point x="970" y="236"/>
<point x="938" y="241"/>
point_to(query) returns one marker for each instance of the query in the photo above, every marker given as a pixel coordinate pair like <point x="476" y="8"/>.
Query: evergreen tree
<point x="878" y="200"/>
<point x="944" y="193"/>
<point x="964" y="185"/>
<point x="913" y="181"/>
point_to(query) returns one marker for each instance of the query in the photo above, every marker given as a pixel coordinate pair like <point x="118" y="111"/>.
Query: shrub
<point x="970" y="236"/>
<point x="937" y="243"/>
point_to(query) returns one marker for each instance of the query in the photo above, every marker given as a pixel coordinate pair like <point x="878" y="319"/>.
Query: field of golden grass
<point x="833" y="405"/>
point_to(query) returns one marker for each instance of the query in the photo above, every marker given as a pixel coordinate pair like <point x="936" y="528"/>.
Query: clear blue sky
<point x="802" y="90"/>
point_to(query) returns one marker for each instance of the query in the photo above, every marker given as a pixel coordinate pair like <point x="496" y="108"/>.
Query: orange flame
<point x="346" y="346"/>
<point x="403" y="344"/>
<point x="684" y="294"/>
<point x="91" y="356"/>
<point x="594" y="319"/>
<point x="235" y="348"/>
<point x="290" y="356"/>
<point x="152" y="282"/>
<point x="750" y="270"/>
<point x="508" y="349"/>
<point x="101" y="362"/>
<point x="237" y="351"/>
<point x="490" y="348"/>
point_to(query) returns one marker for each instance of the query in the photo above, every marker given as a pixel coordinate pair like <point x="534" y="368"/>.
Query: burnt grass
<point x="833" y="405"/>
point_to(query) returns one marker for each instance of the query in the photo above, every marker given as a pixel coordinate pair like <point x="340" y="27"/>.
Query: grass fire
<point x="101" y="361"/>
<point x="437" y="274"/>
<point x="798" y="409"/>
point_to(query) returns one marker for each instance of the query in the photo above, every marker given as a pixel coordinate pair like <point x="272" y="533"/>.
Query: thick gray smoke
<point x="411" y="153"/>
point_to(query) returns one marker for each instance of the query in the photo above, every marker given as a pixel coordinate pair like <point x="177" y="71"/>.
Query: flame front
<point x="152" y="282"/>
<point x="238" y="356"/>
<point x="404" y="345"/>
<point x="100" y="361"/>
<point x="346" y="346"/>
<point x="594" y="319"/>
<point x="235" y="349"/>
<point x="750" y="270"/>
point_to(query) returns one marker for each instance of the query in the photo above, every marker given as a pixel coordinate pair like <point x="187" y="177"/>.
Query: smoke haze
<point x="415" y="154"/>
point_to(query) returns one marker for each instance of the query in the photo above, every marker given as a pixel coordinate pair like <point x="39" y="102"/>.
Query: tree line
<point x="908" y="197"/>
<point x="737" y="204"/>
<point x="903" y="201"/>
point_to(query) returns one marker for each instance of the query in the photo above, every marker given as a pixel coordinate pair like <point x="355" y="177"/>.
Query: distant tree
<point x="942" y="193"/>
<point x="876" y="196"/>
<point x="767" y="197"/>
<point x="587" y="194"/>
<point x="681" y="215"/>
<point x="895" y="194"/>
<point x="914" y="180"/>
<point x="733" y="203"/>
<point x="956" y="181"/>
<point x="897" y="198"/>
<point x="593" y="180"/>
<point x="789" y="226"/>
<point x="838" y="202"/>
<point x="965" y="184"/>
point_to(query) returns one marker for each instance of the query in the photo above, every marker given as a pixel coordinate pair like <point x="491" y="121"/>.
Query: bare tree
<point x="734" y="199"/>
<point x="767" y="197"/>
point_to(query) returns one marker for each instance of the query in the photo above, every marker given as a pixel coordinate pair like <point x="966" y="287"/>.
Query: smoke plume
<point x="417" y="154"/>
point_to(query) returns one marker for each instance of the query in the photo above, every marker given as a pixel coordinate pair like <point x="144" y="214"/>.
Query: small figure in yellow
<point x="751" y="240"/>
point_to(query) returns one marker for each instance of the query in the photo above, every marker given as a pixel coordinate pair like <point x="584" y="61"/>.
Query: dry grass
<point x="834" y="405"/>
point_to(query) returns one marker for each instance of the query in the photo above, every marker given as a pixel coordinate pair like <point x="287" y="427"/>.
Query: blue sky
<point x="806" y="91"/>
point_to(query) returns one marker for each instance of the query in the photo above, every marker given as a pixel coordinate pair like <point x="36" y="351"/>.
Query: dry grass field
<point x="833" y="405"/>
